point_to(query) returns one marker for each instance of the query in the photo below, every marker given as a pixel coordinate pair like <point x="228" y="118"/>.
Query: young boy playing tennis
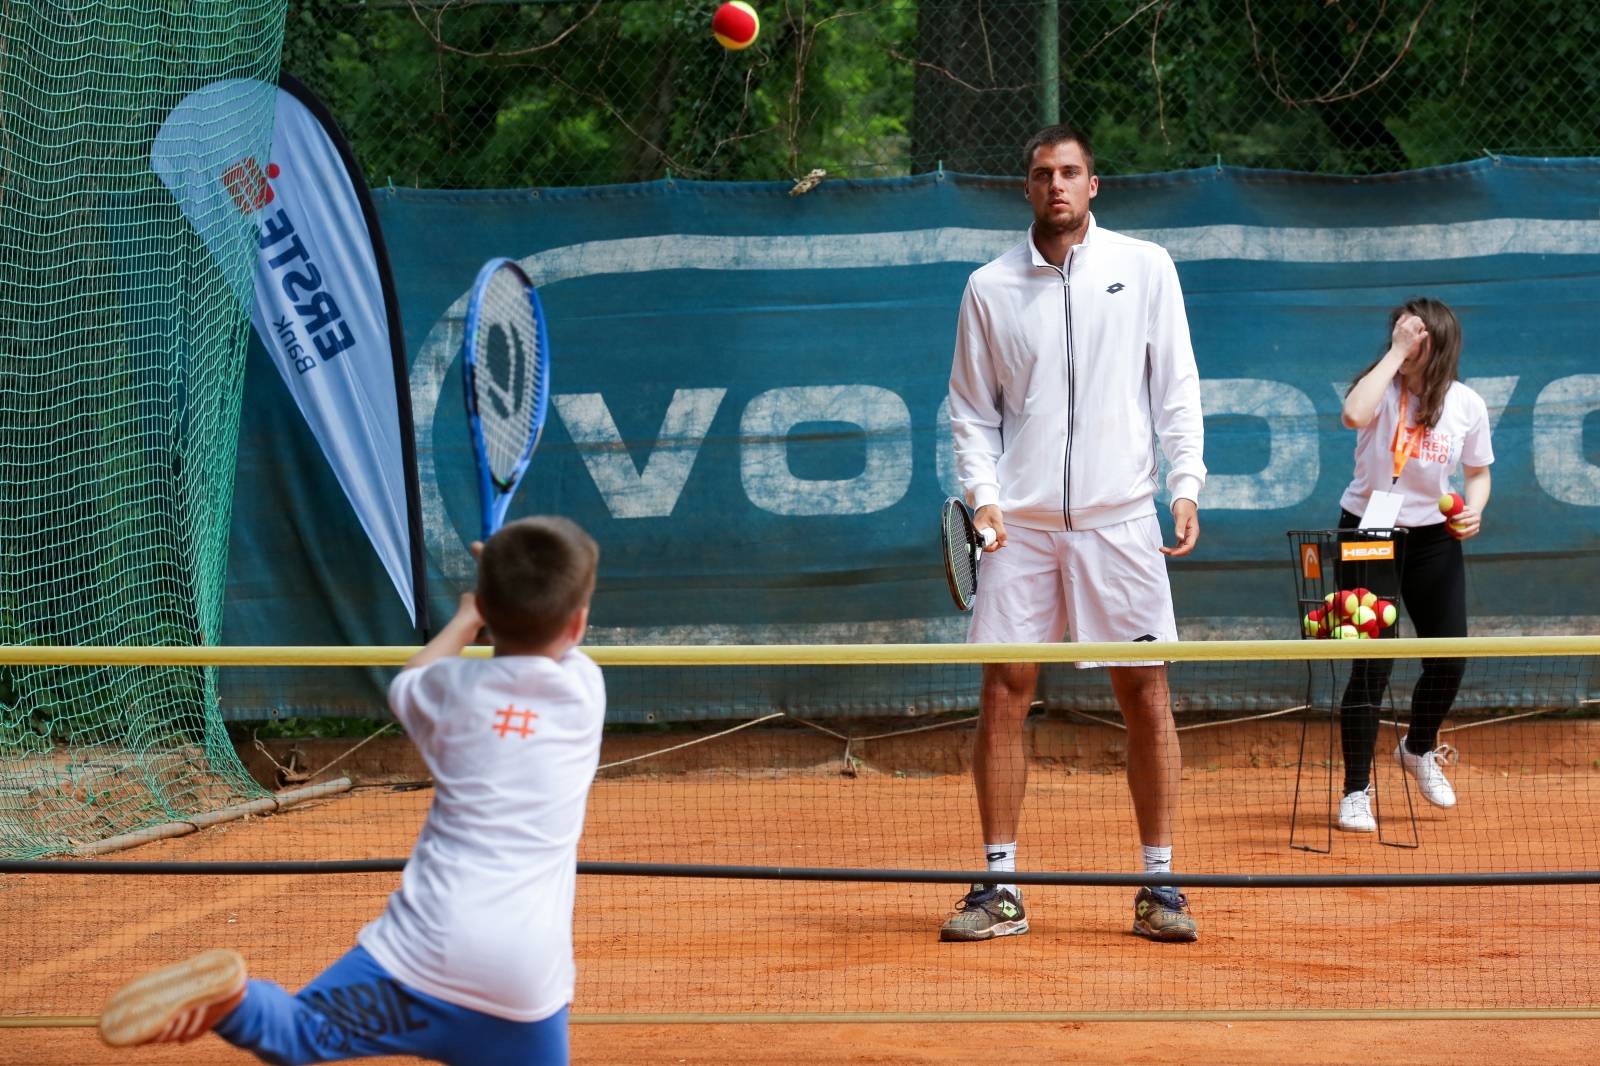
<point x="471" y="961"/>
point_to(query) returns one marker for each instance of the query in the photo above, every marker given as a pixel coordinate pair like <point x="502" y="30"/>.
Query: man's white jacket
<point x="1064" y="379"/>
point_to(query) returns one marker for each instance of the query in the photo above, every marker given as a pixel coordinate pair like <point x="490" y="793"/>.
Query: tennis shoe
<point x="176" y="1003"/>
<point x="1428" y="769"/>
<point x="984" y="913"/>
<point x="1355" y="812"/>
<point x="1163" y="914"/>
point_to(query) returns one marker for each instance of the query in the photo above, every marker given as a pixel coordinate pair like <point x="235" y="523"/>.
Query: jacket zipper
<point x="1072" y="396"/>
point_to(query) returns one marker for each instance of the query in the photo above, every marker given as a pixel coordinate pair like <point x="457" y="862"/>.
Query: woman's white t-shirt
<point x="483" y="915"/>
<point x="1461" y="436"/>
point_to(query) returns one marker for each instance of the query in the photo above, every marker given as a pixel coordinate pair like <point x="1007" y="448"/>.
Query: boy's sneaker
<point x="1355" y="812"/>
<point x="1163" y="914"/>
<point x="984" y="913"/>
<point x="1428" y="769"/>
<point x="176" y="1003"/>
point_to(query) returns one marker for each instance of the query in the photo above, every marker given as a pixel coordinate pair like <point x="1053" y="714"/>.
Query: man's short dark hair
<point x="533" y="574"/>
<point x="1050" y="136"/>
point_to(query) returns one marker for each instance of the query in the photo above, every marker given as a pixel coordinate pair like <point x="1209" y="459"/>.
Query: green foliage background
<point x="512" y="93"/>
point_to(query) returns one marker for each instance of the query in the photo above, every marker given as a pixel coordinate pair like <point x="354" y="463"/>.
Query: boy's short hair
<point x="533" y="574"/>
<point x="1051" y="136"/>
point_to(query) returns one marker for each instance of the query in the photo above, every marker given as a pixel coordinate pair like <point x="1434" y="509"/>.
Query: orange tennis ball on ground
<point x="736" y="25"/>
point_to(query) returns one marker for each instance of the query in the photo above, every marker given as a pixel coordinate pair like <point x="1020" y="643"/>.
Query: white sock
<point x="1003" y="858"/>
<point x="1157" y="860"/>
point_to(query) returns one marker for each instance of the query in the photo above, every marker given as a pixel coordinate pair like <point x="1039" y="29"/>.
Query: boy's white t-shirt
<point x="1461" y="436"/>
<point x="483" y="915"/>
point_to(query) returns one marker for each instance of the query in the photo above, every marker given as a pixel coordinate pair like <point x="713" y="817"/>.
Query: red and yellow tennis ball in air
<point x="736" y="25"/>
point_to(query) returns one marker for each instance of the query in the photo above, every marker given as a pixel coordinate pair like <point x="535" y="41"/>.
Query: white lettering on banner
<point x="764" y="456"/>
<point x="628" y="491"/>
<point x="1341" y="244"/>
<point x="1496" y="393"/>
<point x="1292" y="465"/>
<point x="1558" y="461"/>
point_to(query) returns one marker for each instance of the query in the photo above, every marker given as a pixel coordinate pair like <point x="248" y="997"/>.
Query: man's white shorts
<point x="1091" y="585"/>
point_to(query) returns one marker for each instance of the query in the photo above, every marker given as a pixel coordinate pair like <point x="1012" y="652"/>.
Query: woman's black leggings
<point x="1433" y="590"/>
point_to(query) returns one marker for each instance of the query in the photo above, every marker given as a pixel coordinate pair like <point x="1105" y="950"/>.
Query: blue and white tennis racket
<point x="505" y="367"/>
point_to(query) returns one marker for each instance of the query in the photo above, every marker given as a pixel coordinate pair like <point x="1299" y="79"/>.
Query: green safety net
<point x="122" y="349"/>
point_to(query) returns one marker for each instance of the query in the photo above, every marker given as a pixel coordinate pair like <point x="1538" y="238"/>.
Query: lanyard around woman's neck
<point x="1403" y="451"/>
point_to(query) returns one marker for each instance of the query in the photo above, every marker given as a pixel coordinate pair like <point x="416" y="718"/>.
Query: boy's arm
<point x="460" y="631"/>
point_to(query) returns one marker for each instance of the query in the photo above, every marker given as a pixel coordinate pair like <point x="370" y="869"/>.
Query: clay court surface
<point x="1210" y="1043"/>
<point x="1530" y="795"/>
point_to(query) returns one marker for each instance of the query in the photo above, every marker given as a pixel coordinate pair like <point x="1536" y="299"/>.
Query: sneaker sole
<point x="143" y="1007"/>
<point x="1186" y="936"/>
<point x="966" y="936"/>
<point x="1356" y="828"/>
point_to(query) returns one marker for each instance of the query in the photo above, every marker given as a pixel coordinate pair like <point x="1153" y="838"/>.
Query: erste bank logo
<point x="248" y="185"/>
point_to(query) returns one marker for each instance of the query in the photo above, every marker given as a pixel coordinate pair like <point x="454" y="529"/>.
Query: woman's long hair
<point x="1444" y="354"/>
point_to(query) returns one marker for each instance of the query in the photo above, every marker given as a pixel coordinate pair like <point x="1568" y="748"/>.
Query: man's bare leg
<point x="1155" y="762"/>
<point x="1155" y="768"/>
<point x="999" y="757"/>
<point x="1000" y="774"/>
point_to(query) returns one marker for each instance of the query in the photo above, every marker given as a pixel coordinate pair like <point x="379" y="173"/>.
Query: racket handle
<point x="988" y="537"/>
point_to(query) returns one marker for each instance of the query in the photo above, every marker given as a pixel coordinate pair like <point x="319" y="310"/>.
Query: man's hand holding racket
<point x="988" y="517"/>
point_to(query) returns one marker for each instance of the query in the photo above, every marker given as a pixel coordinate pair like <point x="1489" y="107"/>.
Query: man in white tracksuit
<point x="1072" y="358"/>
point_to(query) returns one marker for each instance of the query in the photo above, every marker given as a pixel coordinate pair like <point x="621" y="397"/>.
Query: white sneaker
<point x="1429" y="771"/>
<point x="1355" y="812"/>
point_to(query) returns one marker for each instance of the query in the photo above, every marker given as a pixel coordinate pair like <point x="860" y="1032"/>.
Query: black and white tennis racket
<point x="505" y="365"/>
<point x="963" y="546"/>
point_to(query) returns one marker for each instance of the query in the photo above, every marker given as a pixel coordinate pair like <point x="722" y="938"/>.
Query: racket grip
<point x="988" y="537"/>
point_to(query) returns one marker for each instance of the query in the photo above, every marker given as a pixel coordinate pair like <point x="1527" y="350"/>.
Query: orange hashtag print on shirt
<point x="509" y="720"/>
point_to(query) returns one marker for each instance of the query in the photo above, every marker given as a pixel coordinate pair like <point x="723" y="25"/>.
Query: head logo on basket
<point x="1362" y="550"/>
<point x="1310" y="563"/>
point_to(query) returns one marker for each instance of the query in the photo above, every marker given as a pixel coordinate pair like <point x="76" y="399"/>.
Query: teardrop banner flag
<point x="321" y="296"/>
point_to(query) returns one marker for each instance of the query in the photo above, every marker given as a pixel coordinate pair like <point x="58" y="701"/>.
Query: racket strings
<point x="505" y="383"/>
<point x="959" y="548"/>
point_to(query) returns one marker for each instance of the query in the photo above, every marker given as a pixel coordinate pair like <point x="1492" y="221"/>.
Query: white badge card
<point x="1383" y="510"/>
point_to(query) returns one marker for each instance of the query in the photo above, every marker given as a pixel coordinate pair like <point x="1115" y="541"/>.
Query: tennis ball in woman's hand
<point x="735" y="25"/>
<point x="1451" y="504"/>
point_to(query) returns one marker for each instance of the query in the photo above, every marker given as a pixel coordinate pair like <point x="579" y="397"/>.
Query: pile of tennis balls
<point x="1350" y="614"/>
